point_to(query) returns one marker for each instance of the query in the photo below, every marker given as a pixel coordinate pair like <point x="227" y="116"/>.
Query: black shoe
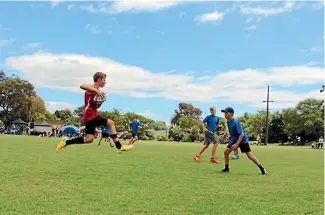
<point x="224" y="171"/>
<point x="264" y="172"/>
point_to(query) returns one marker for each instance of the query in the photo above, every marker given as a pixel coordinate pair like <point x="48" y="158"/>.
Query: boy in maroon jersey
<point x="91" y="117"/>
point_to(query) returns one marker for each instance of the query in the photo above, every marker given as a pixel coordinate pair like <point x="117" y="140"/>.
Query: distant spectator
<point x="321" y="142"/>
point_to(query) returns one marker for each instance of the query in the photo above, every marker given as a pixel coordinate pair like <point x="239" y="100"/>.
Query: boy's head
<point x="134" y="120"/>
<point x="213" y="110"/>
<point x="229" y="112"/>
<point x="100" y="79"/>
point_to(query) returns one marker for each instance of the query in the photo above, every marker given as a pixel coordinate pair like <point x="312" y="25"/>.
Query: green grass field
<point x="154" y="178"/>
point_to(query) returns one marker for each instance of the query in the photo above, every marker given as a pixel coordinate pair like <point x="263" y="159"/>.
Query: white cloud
<point x="313" y="50"/>
<point x="318" y="5"/>
<point x="149" y="114"/>
<point x="94" y="28"/>
<point x="30" y="46"/>
<point x="251" y="28"/>
<point x="209" y="17"/>
<point x="267" y="11"/>
<point x="142" y="5"/>
<point x="162" y="33"/>
<point x="182" y="14"/>
<point x="132" y="6"/>
<point x="6" y="42"/>
<point x="68" y="71"/>
<point x="55" y="3"/>
<point x="52" y="106"/>
<point x="314" y="63"/>
<point x="35" y="6"/>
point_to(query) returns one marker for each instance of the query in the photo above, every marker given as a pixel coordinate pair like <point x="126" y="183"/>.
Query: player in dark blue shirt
<point x="238" y="139"/>
<point x="210" y="125"/>
<point x="134" y="129"/>
<point x="236" y="152"/>
<point x="105" y="135"/>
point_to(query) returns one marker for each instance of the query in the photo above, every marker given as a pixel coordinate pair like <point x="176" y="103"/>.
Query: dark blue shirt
<point x="212" y="123"/>
<point x="135" y="126"/>
<point x="235" y="129"/>
<point x="106" y="130"/>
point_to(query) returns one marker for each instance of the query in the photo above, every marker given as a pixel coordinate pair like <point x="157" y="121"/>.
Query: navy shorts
<point x="105" y="135"/>
<point x="134" y="135"/>
<point x="244" y="147"/>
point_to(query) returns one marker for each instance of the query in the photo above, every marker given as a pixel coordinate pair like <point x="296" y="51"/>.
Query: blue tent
<point x="70" y="130"/>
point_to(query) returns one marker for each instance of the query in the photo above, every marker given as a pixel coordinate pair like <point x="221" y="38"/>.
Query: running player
<point x="238" y="139"/>
<point x="134" y="128"/>
<point x="210" y="125"/>
<point x="91" y="117"/>
<point x="105" y="135"/>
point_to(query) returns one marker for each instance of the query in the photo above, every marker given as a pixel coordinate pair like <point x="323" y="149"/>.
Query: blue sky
<point x="157" y="54"/>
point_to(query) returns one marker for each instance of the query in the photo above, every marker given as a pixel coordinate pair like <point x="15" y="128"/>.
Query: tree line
<point x="18" y="99"/>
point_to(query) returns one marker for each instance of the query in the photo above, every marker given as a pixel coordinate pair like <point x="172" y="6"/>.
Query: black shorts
<point x="244" y="147"/>
<point x="134" y="135"/>
<point x="105" y="135"/>
<point x="95" y="122"/>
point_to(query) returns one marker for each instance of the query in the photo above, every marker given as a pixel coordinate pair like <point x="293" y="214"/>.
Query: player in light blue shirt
<point x="238" y="139"/>
<point x="210" y="125"/>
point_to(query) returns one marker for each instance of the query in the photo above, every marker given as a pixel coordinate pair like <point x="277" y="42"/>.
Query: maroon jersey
<point x="90" y="111"/>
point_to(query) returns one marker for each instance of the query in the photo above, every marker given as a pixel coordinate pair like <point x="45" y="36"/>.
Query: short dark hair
<point x="99" y="75"/>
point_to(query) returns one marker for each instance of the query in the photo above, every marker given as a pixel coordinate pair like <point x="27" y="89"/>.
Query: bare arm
<point x="240" y="138"/>
<point x="203" y="126"/>
<point x="89" y="87"/>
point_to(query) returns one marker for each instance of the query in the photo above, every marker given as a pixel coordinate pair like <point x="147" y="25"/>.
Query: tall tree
<point x="15" y="93"/>
<point x="185" y="110"/>
<point x="254" y="124"/>
<point x="276" y="129"/>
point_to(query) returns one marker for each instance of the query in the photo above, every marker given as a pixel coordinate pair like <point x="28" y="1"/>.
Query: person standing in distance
<point x="105" y="135"/>
<point x="91" y="117"/>
<point x="134" y="128"/>
<point x="238" y="139"/>
<point x="210" y="125"/>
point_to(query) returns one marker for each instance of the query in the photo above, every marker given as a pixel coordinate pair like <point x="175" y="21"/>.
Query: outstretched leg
<point x="253" y="158"/>
<point x="197" y="158"/>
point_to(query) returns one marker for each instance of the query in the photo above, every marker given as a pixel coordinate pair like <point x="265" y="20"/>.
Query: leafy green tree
<point x="185" y="110"/>
<point x="159" y="125"/>
<point x="305" y="120"/>
<point x="276" y="129"/>
<point x="18" y="99"/>
<point x="254" y="124"/>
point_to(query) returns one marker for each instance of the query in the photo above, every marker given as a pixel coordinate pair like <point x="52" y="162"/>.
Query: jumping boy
<point x="210" y="125"/>
<point x="134" y="128"/>
<point x="91" y="117"/>
<point x="238" y="139"/>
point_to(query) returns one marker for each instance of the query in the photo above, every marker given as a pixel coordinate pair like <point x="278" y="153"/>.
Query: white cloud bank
<point x="68" y="71"/>
<point x="52" y="106"/>
<point x="268" y="11"/>
<point x="209" y="17"/>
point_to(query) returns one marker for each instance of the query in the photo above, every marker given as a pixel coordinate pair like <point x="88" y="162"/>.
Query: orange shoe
<point x="214" y="160"/>
<point x="197" y="159"/>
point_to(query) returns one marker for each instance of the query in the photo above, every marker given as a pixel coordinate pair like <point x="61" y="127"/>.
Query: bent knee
<point x="110" y="122"/>
<point x="89" y="139"/>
